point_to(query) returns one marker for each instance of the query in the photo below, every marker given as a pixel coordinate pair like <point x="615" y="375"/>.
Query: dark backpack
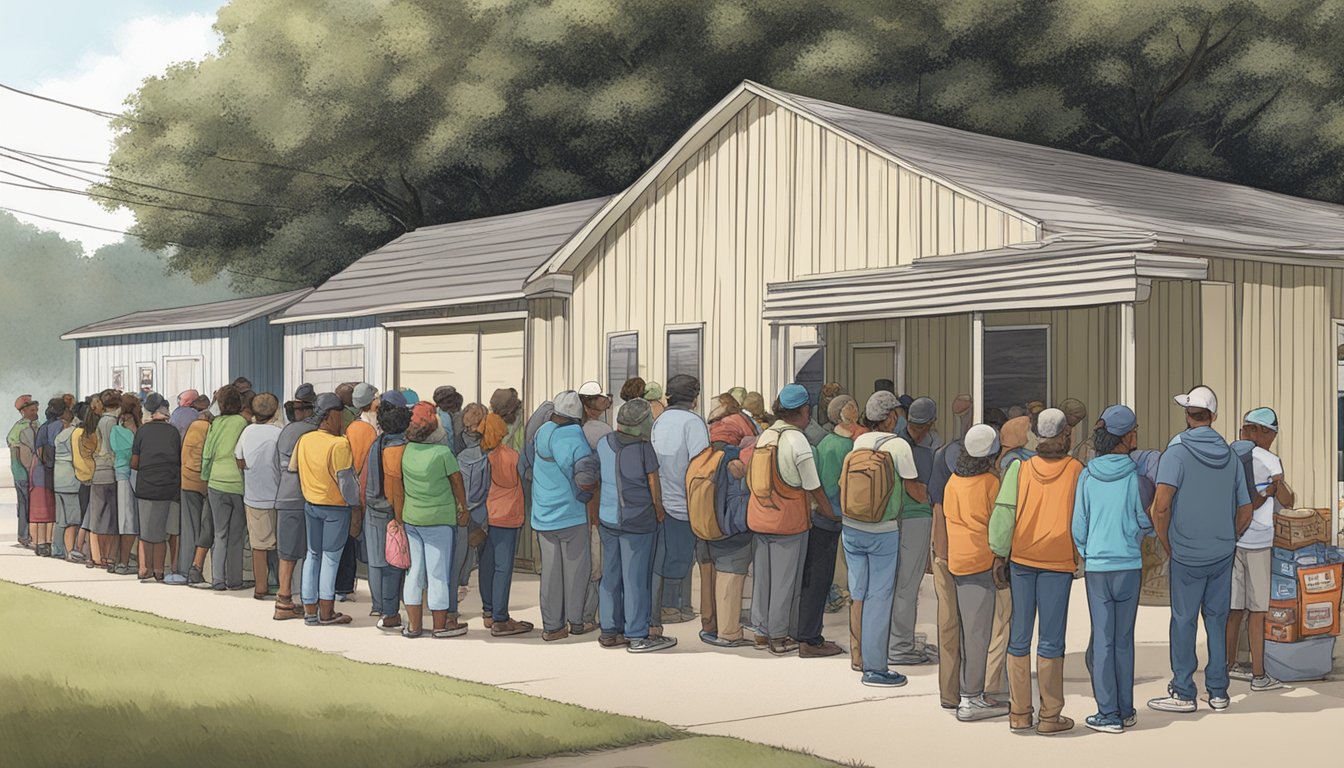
<point x="476" y="479"/>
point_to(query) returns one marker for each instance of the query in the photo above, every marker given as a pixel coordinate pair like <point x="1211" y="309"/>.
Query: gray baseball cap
<point x="327" y="402"/>
<point x="569" y="405"/>
<point x="923" y="411"/>
<point x="364" y="395"/>
<point x="1051" y="423"/>
<point x="306" y="393"/>
<point x="880" y="404"/>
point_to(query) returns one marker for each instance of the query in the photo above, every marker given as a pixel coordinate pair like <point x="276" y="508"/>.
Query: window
<point x="684" y="353"/>
<point x="809" y="369"/>
<point x="181" y="374"/>
<point x="622" y="363"/>
<point x="1017" y="366"/>
<point x="327" y="367"/>
<point x="119" y="376"/>
<point x="145" y="379"/>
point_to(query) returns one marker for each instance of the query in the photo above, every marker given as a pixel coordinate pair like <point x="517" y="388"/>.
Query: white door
<point x="501" y="362"/>
<point x="181" y="374"/>
<point x="429" y="361"/>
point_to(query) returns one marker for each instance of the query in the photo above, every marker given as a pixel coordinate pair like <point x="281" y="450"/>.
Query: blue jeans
<point x="431" y="565"/>
<point x="1113" y="602"/>
<point x="626" y="589"/>
<point x="496" y="578"/>
<point x="872" y="559"/>
<point x="328" y="528"/>
<point x="385" y="588"/>
<point x="1046" y="592"/>
<point x="1197" y="589"/>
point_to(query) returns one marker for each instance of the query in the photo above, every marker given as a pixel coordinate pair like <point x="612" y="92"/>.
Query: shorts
<point x="128" y="516"/>
<point x="154" y="520"/>
<point x="1250" y="579"/>
<point x="68" y="512"/>
<point x="730" y="555"/>
<point x="174" y="527"/>
<point x="261" y="525"/>
<point x="102" y="516"/>
<point x="291" y="534"/>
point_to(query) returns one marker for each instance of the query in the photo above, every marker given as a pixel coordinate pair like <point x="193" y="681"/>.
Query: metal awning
<point x="1051" y="275"/>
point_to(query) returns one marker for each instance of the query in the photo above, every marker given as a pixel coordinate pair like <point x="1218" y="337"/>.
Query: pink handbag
<point x="398" y="551"/>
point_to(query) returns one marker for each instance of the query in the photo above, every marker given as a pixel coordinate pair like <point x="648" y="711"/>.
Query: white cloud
<point x="143" y="47"/>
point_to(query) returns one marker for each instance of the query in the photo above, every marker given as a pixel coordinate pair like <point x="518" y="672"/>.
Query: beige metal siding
<point x="98" y="357"/>
<point x="476" y="358"/>
<point x="938" y="363"/>
<point x="1168" y="357"/>
<point x="547" y="360"/>
<point x="771" y="197"/>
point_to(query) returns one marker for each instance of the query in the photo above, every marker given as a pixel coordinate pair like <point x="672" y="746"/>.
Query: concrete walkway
<point x="814" y="705"/>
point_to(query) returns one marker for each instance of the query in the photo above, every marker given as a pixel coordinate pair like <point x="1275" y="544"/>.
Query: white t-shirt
<point x="901" y="455"/>
<point x="261" y="479"/>
<point x="1266" y="467"/>
<point x="797" y="463"/>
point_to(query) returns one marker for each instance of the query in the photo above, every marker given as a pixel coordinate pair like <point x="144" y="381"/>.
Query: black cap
<point x="306" y="393"/>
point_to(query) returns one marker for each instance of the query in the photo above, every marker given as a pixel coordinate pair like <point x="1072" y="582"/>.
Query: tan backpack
<point x="867" y="480"/>
<point x="703" y="494"/>
<point x="763" y="478"/>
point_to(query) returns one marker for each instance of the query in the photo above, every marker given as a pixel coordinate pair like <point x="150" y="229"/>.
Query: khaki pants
<point x="949" y="639"/>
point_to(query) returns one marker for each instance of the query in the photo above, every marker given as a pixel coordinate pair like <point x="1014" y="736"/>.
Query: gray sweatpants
<point x="21" y="489"/>
<point x="566" y="562"/>
<point x="230" y="519"/>
<point x="192" y="507"/>
<point x="777" y="582"/>
<point x="910" y="566"/>
<point x="975" y="605"/>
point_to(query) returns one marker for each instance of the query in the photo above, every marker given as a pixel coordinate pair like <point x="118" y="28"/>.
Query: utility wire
<point x="45" y="187"/>
<point x="99" y="112"/>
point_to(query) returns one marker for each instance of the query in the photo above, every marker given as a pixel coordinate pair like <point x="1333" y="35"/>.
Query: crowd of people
<point x="626" y="502"/>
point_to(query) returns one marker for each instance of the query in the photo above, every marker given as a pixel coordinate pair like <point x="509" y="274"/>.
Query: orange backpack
<point x="867" y="481"/>
<point x="702" y="494"/>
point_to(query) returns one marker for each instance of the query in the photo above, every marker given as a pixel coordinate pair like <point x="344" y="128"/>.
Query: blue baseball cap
<point x="394" y="399"/>
<point x="1119" y="420"/>
<point x="411" y="397"/>
<point x="793" y="396"/>
<point x="1264" y="417"/>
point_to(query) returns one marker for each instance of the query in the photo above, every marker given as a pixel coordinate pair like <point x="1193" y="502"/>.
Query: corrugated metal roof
<point x="447" y="264"/>
<point x="220" y="314"/>
<point x="1069" y="191"/>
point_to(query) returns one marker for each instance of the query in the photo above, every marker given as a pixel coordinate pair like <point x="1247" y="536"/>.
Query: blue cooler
<point x="1311" y="658"/>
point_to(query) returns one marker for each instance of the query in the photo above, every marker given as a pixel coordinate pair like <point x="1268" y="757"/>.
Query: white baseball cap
<point x="591" y="389"/>
<point x="1051" y="423"/>
<point x="980" y="441"/>
<point x="1199" y="397"/>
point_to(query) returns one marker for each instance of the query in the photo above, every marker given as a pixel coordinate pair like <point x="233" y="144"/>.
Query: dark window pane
<point x="809" y="369"/>
<point x="1016" y="367"/>
<point x="683" y="354"/>
<point x="622" y="362"/>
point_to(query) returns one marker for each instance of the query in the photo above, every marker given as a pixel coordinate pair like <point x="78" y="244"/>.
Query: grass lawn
<point x="85" y="684"/>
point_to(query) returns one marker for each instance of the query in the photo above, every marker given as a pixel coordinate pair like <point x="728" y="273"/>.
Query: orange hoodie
<point x="1042" y="531"/>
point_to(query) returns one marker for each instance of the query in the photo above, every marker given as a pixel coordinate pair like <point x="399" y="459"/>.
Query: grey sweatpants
<point x="975" y="605"/>
<point x="910" y="566"/>
<point x="230" y="519"/>
<point x="566" y="563"/>
<point x="192" y="508"/>
<point x="777" y="581"/>
<point x="21" y="490"/>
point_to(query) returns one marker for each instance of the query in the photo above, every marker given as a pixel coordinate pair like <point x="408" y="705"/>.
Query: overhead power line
<point x="43" y="186"/>
<point x="99" y="112"/>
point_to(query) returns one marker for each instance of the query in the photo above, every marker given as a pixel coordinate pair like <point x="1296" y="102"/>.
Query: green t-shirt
<point x="219" y="468"/>
<point x="425" y="469"/>
<point x="831" y="453"/>
<point x="16" y="467"/>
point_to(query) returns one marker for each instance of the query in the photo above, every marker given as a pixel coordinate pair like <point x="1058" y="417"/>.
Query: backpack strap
<point x="616" y="448"/>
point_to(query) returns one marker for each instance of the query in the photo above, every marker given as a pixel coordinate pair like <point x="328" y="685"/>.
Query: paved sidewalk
<point x="815" y="705"/>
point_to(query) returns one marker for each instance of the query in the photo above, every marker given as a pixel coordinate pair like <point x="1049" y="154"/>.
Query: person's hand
<point x="393" y="525"/>
<point x="462" y="518"/>
<point x="737" y="469"/>
<point x="1000" y="573"/>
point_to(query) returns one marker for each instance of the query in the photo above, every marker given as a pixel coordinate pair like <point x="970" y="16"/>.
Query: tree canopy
<point x="323" y="129"/>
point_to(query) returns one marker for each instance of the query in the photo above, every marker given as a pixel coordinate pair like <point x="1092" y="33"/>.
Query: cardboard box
<point x="1282" y="587"/>
<point x="1286" y="562"/>
<point x="1318" y="617"/>
<point x="1319" y="579"/>
<point x="1281" y="633"/>
<point x="1282" y="612"/>
<point x="1297" y="528"/>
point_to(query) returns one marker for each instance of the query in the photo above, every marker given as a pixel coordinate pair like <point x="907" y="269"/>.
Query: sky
<point x="93" y="53"/>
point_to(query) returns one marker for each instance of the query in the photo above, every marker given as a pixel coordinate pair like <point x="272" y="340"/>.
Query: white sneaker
<point x="1266" y="683"/>
<point x="980" y="708"/>
<point x="1240" y="672"/>
<point x="1172" y="702"/>
<point x="1218" y="703"/>
<point x="1132" y="720"/>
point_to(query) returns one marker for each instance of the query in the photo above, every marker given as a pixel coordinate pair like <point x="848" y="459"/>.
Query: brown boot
<point x="1050" y="679"/>
<point x="708" y="615"/>
<point x="855" y="633"/>
<point x="1019" y="693"/>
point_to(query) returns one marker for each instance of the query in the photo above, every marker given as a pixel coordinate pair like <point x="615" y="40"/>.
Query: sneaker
<point x="1105" y="723"/>
<point x="1240" y="672"/>
<point x="175" y="579"/>
<point x="1172" y="702"/>
<point x="1266" y="683"/>
<point x="348" y="597"/>
<point x="911" y="660"/>
<point x="884" y="679"/>
<point x="709" y="638"/>
<point x="385" y="624"/>
<point x="148" y="579"/>
<point x="558" y="634"/>
<point x="981" y="708"/>
<point x="820" y="650"/>
<point x="651" y="644"/>
<point x="1132" y="720"/>
<point x="219" y="588"/>
<point x="582" y="629"/>
<point x="194" y="575"/>
<point x="510" y="628"/>
<point x="612" y="641"/>
<point x="126" y="570"/>
<point x="76" y="557"/>
<point x="675" y="616"/>
<point x="1218" y="703"/>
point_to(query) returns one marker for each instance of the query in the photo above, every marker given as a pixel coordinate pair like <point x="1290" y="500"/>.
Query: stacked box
<point x="1307" y="579"/>
<point x="1298" y="528"/>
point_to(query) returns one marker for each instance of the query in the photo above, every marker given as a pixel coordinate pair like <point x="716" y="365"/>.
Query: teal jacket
<point x="1109" y="521"/>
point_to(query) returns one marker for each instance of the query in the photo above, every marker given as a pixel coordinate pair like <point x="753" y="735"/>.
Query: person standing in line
<point x="1013" y="442"/>
<point x="291" y="535"/>
<point x="630" y="506"/>
<point x="156" y="458"/>
<point x="434" y="508"/>
<point x="257" y="453"/>
<point x="965" y="510"/>
<point x="1030" y="535"/>
<point x="67" y="485"/>
<point x="83" y="443"/>
<point x="782" y="474"/>
<point x="361" y="432"/>
<point x="1109" y="525"/>
<point x="754" y="404"/>
<point x="449" y="402"/>
<point x="678" y="436"/>
<point x="871" y="548"/>
<point x="102" y="517"/>
<point x="505" y="510"/>
<point x="1200" y="510"/>
<point x="823" y="540"/>
<point x="654" y="394"/>
<point x="560" y="518"/>
<point x="186" y="411"/>
<point x="330" y="488"/>
<point x="128" y="510"/>
<point x="384" y="493"/>
<point x="596" y="403"/>
<point x="469" y="539"/>
<point x="916" y="535"/>
<point x="1076" y="413"/>
<point x="724" y="563"/>
<point x="1253" y="562"/>
<point x="346" y="392"/>
<point x="198" y="527"/>
<point x="18" y="466"/>
<point x="506" y="404"/>
<point x="224" y="484"/>
<point x="42" y="498"/>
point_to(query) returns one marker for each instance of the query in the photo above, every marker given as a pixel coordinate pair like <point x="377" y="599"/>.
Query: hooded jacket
<point x="1109" y="521"/>
<point x="1210" y="484"/>
<point x="1033" y="514"/>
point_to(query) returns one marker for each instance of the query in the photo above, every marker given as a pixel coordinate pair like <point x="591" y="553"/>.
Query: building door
<point x="868" y="364"/>
<point x="476" y="358"/>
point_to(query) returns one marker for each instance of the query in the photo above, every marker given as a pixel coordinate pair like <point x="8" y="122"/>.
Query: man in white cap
<point x="968" y="503"/>
<point x="1201" y="508"/>
<point x="1253" y="562"/>
<point x="1029" y="533"/>
<point x="560" y="519"/>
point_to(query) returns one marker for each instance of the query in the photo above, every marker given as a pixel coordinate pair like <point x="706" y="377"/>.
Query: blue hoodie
<point x="1210" y="484"/>
<point x="1109" y="520"/>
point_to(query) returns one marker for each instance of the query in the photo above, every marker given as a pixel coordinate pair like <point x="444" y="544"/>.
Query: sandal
<point x="261" y="595"/>
<point x="311" y="619"/>
<point x="457" y="631"/>
<point x="407" y="632"/>
<point x="336" y="618"/>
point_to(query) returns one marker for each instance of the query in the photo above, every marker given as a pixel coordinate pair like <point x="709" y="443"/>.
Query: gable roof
<point x="1065" y="192"/>
<point x="220" y="314"/>
<point x="464" y="262"/>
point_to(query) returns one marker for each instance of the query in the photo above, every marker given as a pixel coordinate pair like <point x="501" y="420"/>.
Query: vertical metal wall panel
<point x="360" y="331"/>
<point x="98" y="357"/>
<point x="257" y="351"/>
